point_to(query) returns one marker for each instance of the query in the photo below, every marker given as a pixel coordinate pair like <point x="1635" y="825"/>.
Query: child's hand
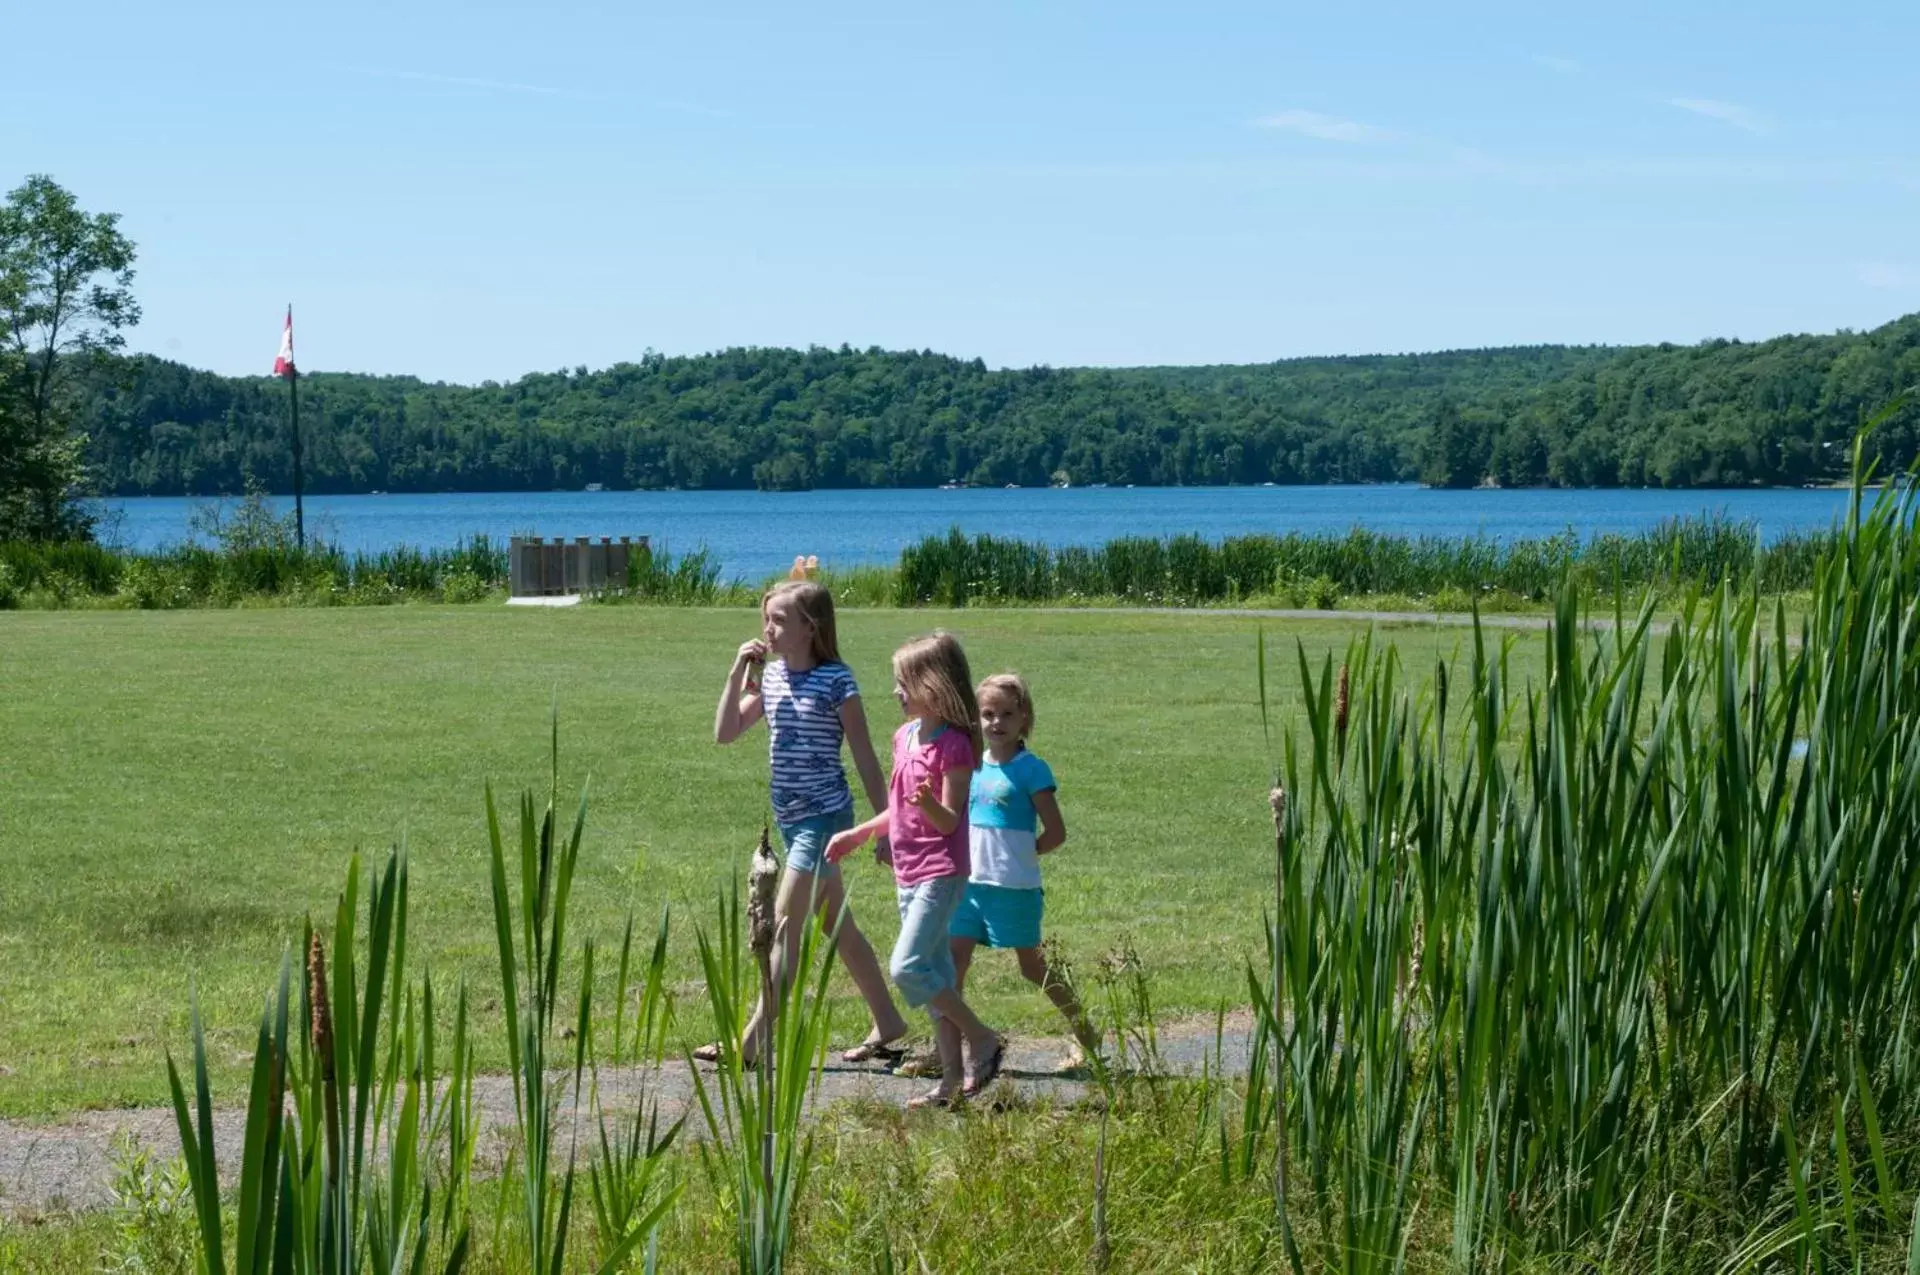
<point x="842" y="844"/>
<point x="754" y="652"/>
<point x="925" y="796"/>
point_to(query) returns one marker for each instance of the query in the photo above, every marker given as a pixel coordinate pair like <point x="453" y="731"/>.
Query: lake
<point x="755" y="534"/>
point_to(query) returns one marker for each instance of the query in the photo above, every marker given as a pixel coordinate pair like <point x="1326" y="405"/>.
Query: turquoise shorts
<point x="807" y="842"/>
<point x="999" y="916"/>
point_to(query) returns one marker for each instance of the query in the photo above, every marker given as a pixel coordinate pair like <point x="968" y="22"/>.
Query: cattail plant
<point x="1341" y="691"/>
<point x="531" y="964"/>
<point x="349" y="1140"/>
<point x="361" y="1132"/>
<point x="1682" y="554"/>
<point x="763" y="883"/>
<point x="1270" y="1029"/>
<point x="629" y="1161"/>
<point x="1648" y="1011"/>
<point x="758" y="1154"/>
<point x="321" y="1038"/>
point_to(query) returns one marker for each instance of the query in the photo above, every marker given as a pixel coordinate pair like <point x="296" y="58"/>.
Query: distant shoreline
<point x="607" y="490"/>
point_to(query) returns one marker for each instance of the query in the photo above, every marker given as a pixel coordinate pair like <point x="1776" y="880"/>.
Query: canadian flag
<point x="283" y="361"/>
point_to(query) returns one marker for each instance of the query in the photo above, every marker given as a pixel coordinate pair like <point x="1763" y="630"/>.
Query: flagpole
<point x="299" y="513"/>
<point x="293" y="404"/>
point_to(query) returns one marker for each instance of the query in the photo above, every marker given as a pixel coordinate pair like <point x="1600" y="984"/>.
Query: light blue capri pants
<point x="922" y="964"/>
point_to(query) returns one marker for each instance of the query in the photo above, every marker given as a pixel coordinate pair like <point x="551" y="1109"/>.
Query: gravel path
<point x="1442" y="619"/>
<point x="68" y="1164"/>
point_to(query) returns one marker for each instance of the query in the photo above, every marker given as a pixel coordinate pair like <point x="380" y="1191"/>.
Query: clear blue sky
<point x="477" y="190"/>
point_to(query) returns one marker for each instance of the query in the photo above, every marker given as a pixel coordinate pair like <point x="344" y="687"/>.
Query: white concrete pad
<point x="564" y="600"/>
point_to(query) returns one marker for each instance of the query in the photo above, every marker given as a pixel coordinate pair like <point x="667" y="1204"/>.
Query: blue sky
<point x="470" y="191"/>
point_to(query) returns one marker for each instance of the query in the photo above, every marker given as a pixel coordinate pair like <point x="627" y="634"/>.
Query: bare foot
<point x="984" y="1069"/>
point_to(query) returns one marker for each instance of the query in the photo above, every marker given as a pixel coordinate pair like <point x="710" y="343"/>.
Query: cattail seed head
<point x="1340" y="707"/>
<point x="322" y="1009"/>
<point x="1277" y="800"/>
<point x="763" y="879"/>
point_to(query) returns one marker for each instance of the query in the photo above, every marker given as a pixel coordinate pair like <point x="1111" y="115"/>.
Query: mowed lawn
<point x="178" y="790"/>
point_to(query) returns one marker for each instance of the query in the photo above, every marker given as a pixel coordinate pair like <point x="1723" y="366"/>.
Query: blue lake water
<point x="754" y="534"/>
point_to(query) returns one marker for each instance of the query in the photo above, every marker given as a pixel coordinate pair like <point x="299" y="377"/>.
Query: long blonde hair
<point x="815" y="605"/>
<point x="933" y="671"/>
<point x="1014" y="687"/>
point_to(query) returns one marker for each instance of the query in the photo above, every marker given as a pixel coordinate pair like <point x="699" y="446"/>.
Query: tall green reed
<point x="195" y="575"/>
<point x="1615" y="955"/>
<point x="531" y="966"/>
<point x="655" y="575"/>
<point x="629" y="1158"/>
<point x="370" y="1171"/>
<point x="759" y="1153"/>
<point x="1679" y="554"/>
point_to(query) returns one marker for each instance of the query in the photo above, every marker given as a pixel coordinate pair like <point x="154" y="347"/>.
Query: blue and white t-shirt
<point x="804" y="734"/>
<point x="1003" y="821"/>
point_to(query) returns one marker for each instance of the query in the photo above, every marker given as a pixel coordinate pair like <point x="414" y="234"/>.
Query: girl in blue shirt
<point x="1014" y="818"/>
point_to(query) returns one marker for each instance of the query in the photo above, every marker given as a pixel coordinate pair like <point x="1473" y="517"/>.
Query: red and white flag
<point x="283" y="361"/>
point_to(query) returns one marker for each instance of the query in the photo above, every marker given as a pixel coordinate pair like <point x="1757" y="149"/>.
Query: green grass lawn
<point x="181" y="788"/>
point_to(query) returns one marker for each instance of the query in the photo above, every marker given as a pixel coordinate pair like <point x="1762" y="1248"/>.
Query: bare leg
<point x="862" y="965"/>
<point x="962" y="960"/>
<point x="1033" y="965"/>
<point x="981" y="1039"/>
<point x="946" y="1037"/>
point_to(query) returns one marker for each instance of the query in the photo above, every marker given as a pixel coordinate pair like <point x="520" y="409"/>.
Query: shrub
<point x="463" y="586"/>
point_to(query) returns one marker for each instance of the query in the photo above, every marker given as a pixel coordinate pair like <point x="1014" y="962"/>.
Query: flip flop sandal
<point x="920" y="1067"/>
<point x="986" y="1075"/>
<point x="711" y="1054"/>
<point x="882" y="1051"/>
<point x="938" y="1100"/>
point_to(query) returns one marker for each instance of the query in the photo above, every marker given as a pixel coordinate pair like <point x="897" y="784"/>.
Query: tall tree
<point x="65" y="295"/>
<point x="1456" y="448"/>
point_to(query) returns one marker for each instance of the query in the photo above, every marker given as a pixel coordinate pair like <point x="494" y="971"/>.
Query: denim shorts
<point x="807" y="842"/>
<point x="922" y="964"/>
<point x="999" y="916"/>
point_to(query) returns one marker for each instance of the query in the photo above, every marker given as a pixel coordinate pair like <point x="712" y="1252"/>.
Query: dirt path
<point x="68" y="1164"/>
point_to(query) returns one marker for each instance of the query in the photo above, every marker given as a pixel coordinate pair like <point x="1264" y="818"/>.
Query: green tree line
<point x="1715" y="414"/>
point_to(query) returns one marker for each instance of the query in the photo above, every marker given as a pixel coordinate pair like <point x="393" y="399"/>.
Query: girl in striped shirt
<point x="792" y="676"/>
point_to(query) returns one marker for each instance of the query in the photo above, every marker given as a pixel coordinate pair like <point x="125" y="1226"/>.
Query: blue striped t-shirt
<point x="803" y="727"/>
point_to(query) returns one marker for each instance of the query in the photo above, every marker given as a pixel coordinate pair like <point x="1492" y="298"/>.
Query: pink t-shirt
<point x="920" y="851"/>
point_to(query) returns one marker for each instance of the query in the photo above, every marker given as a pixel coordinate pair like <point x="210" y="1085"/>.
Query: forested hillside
<point x="1720" y="413"/>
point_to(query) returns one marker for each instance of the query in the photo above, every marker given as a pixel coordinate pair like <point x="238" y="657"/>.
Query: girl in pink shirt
<point x="934" y="755"/>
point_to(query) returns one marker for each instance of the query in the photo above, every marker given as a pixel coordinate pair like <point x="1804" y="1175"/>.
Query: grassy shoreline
<point x="253" y="560"/>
